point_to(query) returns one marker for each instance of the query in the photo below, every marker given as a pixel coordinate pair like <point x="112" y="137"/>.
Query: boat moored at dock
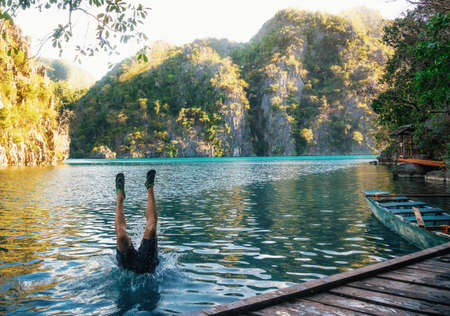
<point x="420" y="224"/>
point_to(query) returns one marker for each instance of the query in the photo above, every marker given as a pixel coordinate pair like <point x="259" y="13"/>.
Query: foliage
<point x="325" y="59"/>
<point x="63" y="71"/>
<point x="179" y="95"/>
<point x="302" y="70"/>
<point x="113" y="20"/>
<point x="416" y="78"/>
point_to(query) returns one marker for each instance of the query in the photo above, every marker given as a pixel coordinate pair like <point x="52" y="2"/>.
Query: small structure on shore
<point x="404" y="145"/>
<point x="412" y="163"/>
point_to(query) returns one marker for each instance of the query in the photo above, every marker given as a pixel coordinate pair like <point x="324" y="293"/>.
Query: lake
<point x="229" y="228"/>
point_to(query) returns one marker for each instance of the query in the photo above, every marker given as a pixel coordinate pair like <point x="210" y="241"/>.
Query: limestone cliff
<point x="184" y="102"/>
<point x="31" y="133"/>
<point x="295" y="88"/>
<point x="305" y="71"/>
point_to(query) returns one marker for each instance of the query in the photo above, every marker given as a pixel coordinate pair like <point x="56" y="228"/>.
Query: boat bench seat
<point x="440" y="218"/>
<point x="400" y="204"/>
<point x="402" y="211"/>
<point x="375" y="192"/>
<point x="391" y="199"/>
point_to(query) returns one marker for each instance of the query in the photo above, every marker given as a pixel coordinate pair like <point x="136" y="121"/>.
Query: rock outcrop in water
<point x="31" y="133"/>
<point x="293" y="89"/>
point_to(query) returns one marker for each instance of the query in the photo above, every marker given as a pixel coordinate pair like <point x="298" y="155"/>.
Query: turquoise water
<point x="228" y="228"/>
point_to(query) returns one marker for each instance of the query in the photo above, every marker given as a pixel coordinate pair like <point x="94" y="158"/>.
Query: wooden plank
<point x="429" y="268"/>
<point x="393" y="301"/>
<point x="419" y="218"/>
<point x="390" y="199"/>
<point x="404" y="289"/>
<point x="395" y="204"/>
<point x="424" y="162"/>
<point x="305" y="307"/>
<point x="443" y="284"/>
<point x="410" y="211"/>
<point x="377" y="193"/>
<point x="445" y="275"/>
<point x="356" y="305"/>
<point x="437" y="262"/>
<point x="426" y="195"/>
<point x="444" y="218"/>
<point x="316" y="286"/>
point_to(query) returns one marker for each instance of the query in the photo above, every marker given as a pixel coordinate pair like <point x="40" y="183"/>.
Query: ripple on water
<point x="234" y="229"/>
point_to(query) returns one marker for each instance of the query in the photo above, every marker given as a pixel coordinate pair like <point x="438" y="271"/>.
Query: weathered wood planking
<point x="419" y="218"/>
<point x="440" y="281"/>
<point x="305" y="307"/>
<point x="404" y="289"/>
<point x="402" y="286"/>
<point x="389" y="300"/>
<point x="356" y="305"/>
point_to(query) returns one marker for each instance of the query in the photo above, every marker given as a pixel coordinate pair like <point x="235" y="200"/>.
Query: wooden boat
<point x="420" y="224"/>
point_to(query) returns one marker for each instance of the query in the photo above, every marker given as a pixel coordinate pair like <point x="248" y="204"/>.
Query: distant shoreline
<point x="83" y="161"/>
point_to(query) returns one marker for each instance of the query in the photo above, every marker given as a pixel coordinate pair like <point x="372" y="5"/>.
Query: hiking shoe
<point x="120" y="183"/>
<point x="150" y="179"/>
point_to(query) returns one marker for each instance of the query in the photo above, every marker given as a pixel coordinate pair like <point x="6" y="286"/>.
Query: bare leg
<point x="123" y="242"/>
<point x="151" y="215"/>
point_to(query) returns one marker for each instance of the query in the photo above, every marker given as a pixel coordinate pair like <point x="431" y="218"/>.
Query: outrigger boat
<point x="420" y="224"/>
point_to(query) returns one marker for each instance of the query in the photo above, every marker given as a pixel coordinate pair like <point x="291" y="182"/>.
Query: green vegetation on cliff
<point x="31" y="132"/>
<point x="293" y="89"/>
<point x="185" y="101"/>
<point x="416" y="78"/>
<point x="60" y="70"/>
<point x="34" y="111"/>
<point x="307" y="69"/>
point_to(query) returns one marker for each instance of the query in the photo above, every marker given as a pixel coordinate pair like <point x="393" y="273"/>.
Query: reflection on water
<point x="227" y="230"/>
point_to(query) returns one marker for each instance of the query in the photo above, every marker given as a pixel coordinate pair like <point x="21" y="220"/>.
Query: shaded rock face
<point x="410" y="170"/>
<point x="283" y="81"/>
<point x="313" y="66"/>
<point x="386" y="156"/>
<point x="30" y="133"/>
<point x="438" y="176"/>
<point x="38" y="150"/>
<point x="102" y="152"/>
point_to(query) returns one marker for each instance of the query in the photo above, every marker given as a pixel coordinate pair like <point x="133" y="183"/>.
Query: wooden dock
<point x="418" y="283"/>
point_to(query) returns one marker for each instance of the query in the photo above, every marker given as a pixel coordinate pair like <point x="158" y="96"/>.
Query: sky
<point x="182" y="21"/>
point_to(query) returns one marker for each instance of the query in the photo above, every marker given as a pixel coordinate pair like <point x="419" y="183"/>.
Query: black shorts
<point x="144" y="260"/>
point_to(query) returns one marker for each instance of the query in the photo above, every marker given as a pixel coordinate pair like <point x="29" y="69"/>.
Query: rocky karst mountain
<point x="62" y="70"/>
<point x="293" y="89"/>
<point x="186" y="101"/>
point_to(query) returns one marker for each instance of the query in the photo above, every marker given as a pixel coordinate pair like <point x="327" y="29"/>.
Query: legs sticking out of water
<point x="122" y="239"/>
<point x="150" y="214"/>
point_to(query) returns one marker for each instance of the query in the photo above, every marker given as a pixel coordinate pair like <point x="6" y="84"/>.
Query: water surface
<point x="228" y="229"/>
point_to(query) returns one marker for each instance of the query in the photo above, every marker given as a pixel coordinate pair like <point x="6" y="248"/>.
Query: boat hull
<point x="420" y="237"/>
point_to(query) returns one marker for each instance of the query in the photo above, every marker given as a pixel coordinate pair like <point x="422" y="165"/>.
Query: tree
<point x="417" y="76"/>
<point x="116" y="21"/>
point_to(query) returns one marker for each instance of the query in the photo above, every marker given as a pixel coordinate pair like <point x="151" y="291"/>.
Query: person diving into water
<point x="145" y="259"/>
